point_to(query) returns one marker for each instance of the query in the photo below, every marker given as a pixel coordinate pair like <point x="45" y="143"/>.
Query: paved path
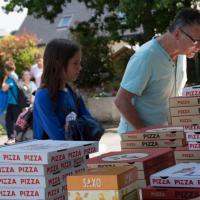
<point x="110" y="141"/>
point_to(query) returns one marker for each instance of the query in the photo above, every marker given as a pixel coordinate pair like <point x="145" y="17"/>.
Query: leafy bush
<point x="20" y="48"/>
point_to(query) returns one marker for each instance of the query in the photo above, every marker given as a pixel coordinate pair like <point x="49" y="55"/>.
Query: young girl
<point x="55" y="98"/>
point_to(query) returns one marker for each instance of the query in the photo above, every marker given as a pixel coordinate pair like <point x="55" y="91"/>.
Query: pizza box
<point x="191" y="91"/>
<point x="129" y="192"/>
<point x="192" y="129"/>
<point x="142" y="159"/>
<point x="182" y="153"/>
<point x="45" y="170"/>
<point x="105" y="183"/>
<point x="187" y="161"/>
<point x="184" y="101"/>
<point x="32" y="193"/>
<point x="98" y="179"/>
<point x="184" y="111"/>
<point x="136" y="144"/>
<point x="155" y="133"/>
<point x="46" y="151"/>
<point x="39" y="181"/>
<point x="161" y="193"/>
<point x="185" y="120"/>
<point x="194" y="145"/>
<point x="193" y="136"/>
<point x="179" y="175"/>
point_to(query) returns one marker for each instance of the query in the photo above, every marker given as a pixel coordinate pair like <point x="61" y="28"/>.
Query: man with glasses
<point x="153" y="73"/>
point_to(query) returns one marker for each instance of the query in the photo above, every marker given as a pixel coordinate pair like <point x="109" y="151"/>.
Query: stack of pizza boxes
<point x="191" y="152"/>
<point x="185" y="109"/>
<point x="179" y="182"/>
<point x="154" y="137"/>
<point x="146" y="161"/>
<point x="114" y="183"/>
<point x="37" y="170"/>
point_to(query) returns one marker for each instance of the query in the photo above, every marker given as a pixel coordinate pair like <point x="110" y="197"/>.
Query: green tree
<point x="154" y="15"/>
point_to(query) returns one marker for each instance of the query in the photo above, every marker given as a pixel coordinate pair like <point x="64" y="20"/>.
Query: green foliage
<point x="21" y="49"/>
<point x="96" y="62"/>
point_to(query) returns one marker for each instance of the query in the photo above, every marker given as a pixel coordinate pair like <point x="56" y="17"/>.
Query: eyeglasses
<point x="195" y="41"/>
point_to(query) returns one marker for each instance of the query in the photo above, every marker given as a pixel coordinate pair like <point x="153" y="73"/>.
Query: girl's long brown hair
<point x="57" y="54"/>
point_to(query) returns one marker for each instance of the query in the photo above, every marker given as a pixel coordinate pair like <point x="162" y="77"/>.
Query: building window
<point x="64" y="22"/>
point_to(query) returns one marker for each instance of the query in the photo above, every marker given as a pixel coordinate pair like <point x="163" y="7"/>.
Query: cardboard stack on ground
<point x="181" y="181"/>
<point x="38" y="169"/>
<point x="114" y="183"/>
<point x="185" y="109"/>
<point x="154" y="137"/>
<point x="147" y="161"/>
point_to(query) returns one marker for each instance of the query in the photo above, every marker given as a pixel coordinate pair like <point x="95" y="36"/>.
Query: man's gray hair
<point x="185" y="17"/>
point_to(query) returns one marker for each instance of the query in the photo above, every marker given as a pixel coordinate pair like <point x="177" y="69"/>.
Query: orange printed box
<point x="152" y="144"/>
<point x="185" y="120"/>
<point x="184" y="101"/>
<point x="184" y="111"/>
<point x="155" y="133"/>
<point x="107" y="183"/>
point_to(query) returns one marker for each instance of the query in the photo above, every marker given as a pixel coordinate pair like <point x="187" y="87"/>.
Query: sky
<point x="12" y="21"/>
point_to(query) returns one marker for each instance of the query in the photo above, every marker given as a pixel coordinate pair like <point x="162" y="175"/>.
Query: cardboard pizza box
<point x="184" y="111"/>
<point x="180" y="175"/>
<point x="161" y="193"/>
<point x="184" y="101"/>
<point x="187" y="161"/>
<point x="191" y="91"/>
<point x="26" y="181"/>
<point x="32" y="193"/>
<point x="136" y="144"/>
<point x="193" y="136"/>
<point x="155" y="133"/>
<point x="108" y="183"/>
<point x="45" y="170"/>
<point x="142" y="159"/>
<point x="185" y="120"/>
<point x="194" y="145"/>
<point x="46" y="151"/>
<point x="192" y="128"/>
<point x="183" y="153"/>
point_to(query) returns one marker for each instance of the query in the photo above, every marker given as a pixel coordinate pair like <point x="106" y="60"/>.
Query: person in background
<point x="55" y="99"/>
<point x="151" y="74"/>
<point x="13" y="110"/>
<point x="37" y="69"/>
<point x="28" y="85"/>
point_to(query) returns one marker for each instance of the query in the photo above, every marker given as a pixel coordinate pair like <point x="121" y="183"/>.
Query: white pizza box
<point x="193" y="137"/>
<point x="192" y="128"/>
<point x="194" y="145"/>
<point x="155" y="133"/>
<point x="45" y="170"/>
<point x="184" y="101"/>
<point x="191" y="91"/>
<point x="136" y="144"/>
<point x="183" y="111"/>
<point x="185" y="120"/>
<point x="46" y="151"/>
<point x="39" y="181"/>
<point x="32" y="193"/>
<point x="180" y="175"/>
